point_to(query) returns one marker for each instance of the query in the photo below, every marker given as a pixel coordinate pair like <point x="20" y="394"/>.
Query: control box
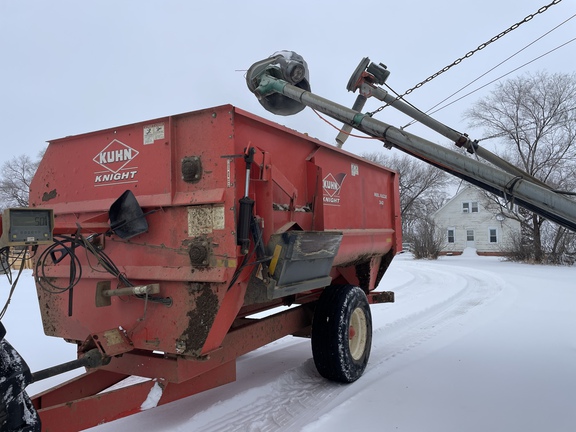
<point x="26" y="226"/>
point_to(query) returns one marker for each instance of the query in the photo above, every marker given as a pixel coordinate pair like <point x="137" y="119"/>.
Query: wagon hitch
<point x="98" y="350"/>
<point x="91" y="359"/>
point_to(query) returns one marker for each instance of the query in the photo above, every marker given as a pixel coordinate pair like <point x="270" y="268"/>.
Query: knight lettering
<point x="126" y="175"/>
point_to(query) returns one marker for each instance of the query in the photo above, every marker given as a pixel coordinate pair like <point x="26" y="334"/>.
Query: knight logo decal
<point x="117" y="161"/>
<point x="332" y="185"/>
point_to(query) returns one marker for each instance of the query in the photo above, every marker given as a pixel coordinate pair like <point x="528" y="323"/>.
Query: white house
<point x="467" y="223"/>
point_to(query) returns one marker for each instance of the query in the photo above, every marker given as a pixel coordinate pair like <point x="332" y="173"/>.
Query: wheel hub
<point x="357" y="333"/>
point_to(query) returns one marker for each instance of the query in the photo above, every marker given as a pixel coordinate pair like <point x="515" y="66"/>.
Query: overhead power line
<point x="506" y="74"/>
<point x="471" y="53"/>
<point x="429" y="112"/>
<point x="502" y="62"/>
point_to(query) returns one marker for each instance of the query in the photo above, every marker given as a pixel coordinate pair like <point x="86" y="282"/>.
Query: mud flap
<point x="17" y="414"/>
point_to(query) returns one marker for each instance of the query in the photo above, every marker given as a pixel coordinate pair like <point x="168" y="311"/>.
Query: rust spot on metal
<point x="47" y="196"/>
<point x="49" y="313"/>
<point x="363" y="269"/>
<point x="363" y="274"/>
<point x="200" y="318"/>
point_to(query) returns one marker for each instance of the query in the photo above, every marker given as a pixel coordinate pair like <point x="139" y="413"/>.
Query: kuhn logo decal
<point x="332" y="184"/>
<point x="116" y="159"/>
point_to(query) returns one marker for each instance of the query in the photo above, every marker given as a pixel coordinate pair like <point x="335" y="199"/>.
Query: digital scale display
<point x="21" y="227"/>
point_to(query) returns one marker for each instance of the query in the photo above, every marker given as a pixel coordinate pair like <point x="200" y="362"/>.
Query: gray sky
<point x="70" y="67"/>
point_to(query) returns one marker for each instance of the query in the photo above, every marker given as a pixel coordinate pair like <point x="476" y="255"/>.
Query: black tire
<point x="342" y="333"/>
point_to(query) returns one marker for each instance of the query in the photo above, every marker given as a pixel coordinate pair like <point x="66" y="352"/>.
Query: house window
<point x="470" y="235"/>
<point x="493" y="235"/>
<point x="470" y="207"/>
<point x="450" y="235"/>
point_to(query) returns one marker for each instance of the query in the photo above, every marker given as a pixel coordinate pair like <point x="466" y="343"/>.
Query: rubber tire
<point x="331" y="350"/>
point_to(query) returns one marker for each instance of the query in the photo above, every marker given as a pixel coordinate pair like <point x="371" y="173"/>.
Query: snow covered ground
<point x="471" y="344"/>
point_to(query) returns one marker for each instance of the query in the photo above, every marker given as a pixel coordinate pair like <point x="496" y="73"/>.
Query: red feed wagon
<point x="171" y="234"/>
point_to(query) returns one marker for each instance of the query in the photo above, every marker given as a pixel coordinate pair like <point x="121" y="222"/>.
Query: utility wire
<point x="501" y="63"/>
<point x="22" y="257"/>
<point x="471" y="53"/>
<point x="464" y="96"/>
<point x="430" y="112"/>
<point x="504" y="75"/>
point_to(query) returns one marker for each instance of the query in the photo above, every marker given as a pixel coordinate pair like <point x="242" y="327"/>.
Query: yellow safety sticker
<point x="274" y="260"/>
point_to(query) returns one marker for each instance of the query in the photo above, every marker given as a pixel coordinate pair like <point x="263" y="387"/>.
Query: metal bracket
<point x="104" y="293"/>
<point x="380" y="297"/>
<point x="109" y="342"/>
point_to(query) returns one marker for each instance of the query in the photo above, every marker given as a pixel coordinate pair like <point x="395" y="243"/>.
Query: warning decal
<point x="153" y="132"/>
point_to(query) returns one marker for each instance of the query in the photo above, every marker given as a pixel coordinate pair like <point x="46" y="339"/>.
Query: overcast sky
<point x="70" y="67"/>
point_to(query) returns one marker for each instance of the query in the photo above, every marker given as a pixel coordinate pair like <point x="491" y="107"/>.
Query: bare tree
<point x="15" y="181"/>
<point x="422" y="192"/>
<point x="427" y="239"/>
<point x="534" y="117"/>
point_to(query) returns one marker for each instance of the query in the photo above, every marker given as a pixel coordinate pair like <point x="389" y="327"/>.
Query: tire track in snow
<point x="476" y="289"/>
<point x="295" y="397"/>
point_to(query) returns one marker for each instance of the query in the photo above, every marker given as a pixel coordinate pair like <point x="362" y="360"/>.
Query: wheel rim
<point x="357" y="334"/>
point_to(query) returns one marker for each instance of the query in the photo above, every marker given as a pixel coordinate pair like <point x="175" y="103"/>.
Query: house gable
<point x="466" y="222"/>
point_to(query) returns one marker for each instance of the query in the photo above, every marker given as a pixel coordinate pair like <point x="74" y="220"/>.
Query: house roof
<point x="463" y="191"/>
<point x="473" y="193"/>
